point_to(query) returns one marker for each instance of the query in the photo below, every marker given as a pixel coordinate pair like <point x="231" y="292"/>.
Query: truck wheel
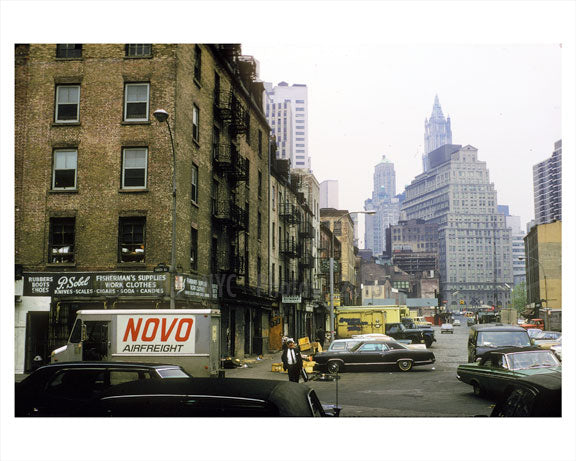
<point x="404" y="365"/>
<point x="334" y="367"/>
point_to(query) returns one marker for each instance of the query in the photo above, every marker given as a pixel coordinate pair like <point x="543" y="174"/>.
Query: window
<point x="273" y="197"/>
<point x="215" y="142"/>
<point x="194" y="190"/>
<point x="138" y="50"/>
<point x="67" y="103"/>
<point x="260" y="143"/>
<point x="136" y="99"/>
<point x="61" y="240"/>
<point x="134" y="167"/>
<point x="216" y="89"/>
<point x="260" y="185"/>
<point x="195" y="123"/>
<point x="193" y="249"/>
<point x="273" y="235"/>
<point x="299" y="101"/>
<point x="131" y="239"/>
<point x="69" y="50"/>
<point x="273" y="276"/>
<point x="64" y="170"/>
<point x="259" y="228"/>
<point x="197" y="63"/>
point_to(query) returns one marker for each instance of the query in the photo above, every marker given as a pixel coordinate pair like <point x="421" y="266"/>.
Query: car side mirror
<point x="84" y="336"/>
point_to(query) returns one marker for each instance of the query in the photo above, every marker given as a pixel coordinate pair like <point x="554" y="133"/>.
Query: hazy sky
<point x="366" y="100"/>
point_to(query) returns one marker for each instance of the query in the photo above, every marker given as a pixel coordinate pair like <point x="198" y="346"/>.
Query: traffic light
<point x="461" y="301"/>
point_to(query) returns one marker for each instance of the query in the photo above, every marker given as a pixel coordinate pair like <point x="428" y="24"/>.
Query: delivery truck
<point x="186" y="337"/>
<point x="361" y="320"/>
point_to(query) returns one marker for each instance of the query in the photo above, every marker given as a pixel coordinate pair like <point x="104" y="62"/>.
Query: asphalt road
<point x="425" y="391"/>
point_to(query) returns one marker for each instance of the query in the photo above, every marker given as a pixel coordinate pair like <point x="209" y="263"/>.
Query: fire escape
<point x="229" y="218"/>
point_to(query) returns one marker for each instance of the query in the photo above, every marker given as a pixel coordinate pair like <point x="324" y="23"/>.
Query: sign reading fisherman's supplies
<point x="156" y="334"/>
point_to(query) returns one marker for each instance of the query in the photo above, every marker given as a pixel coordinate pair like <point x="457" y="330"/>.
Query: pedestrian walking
<point x="292" y="361"/>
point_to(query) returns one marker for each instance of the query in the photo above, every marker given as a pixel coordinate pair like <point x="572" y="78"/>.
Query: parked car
<point x="547" y="339"/>
<point x="485" y="337"/>
<point x="497" y="370"/>
<point x="373" y="353"/>
<point x="534" y="323"/>
<point x="426" y="328"/>
<point x="539" y="395"/>
<point x="456" y="323"/>
<point x="417" y="335"/>
<point x="58" y="389"/>
<point x="206" y="397"/>
<point x="447" y="328"/>
<point x="470" y="321"/>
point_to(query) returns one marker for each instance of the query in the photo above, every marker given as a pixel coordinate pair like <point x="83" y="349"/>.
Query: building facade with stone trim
<point x="93" y="186"/>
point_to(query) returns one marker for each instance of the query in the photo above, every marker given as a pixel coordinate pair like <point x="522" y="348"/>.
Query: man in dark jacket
<point x="292" y="361"/>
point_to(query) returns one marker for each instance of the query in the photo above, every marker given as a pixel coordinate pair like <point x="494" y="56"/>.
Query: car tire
<point x="477" y="389"/>
<point x="404" y="365"/>
<point x="428" y="343"/>
<point x="334" y="366"/>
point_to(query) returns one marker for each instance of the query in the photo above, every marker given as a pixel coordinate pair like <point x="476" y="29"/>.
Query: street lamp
<point x="162" y="116"/>
<point x="332" y="332"/>
<point x="522" y="258"/>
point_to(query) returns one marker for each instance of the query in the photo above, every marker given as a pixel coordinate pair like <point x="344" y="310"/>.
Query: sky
<point x="366" y="100"/>
<point x="373" y="69"/>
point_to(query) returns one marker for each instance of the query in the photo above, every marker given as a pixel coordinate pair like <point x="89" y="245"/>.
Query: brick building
<point x="93" y="187"/>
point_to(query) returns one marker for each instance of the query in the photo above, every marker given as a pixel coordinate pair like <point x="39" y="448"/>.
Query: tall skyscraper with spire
<point x="437" y="132"/>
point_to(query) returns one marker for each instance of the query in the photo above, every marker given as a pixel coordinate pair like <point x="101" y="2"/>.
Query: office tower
<point x="474" y="242"/>
<point x="517" y="241"/>
<point x="329" y="194"/>
<point x="437" y="132"/>
<point x="548" y="187"/>
<point x="386" y="205"/>
<point x="287" y="113"/>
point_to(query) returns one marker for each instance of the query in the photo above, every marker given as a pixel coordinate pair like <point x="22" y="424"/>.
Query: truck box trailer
<point x="186" y="337"/>
<point x="361" y="320"/>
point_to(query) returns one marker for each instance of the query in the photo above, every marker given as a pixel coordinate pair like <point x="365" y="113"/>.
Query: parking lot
<point x="427" y="391"/>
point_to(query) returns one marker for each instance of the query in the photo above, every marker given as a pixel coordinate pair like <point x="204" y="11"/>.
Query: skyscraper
<point x="329" y="194"/>
<point x="548" y="187"/>
<point x="287" y="113"/>
<point x="437" y="132"/>
<point x="474" y="246"/>
<point x="386" y="204"/>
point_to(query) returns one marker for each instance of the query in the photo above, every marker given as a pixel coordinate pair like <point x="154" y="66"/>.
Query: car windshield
<point x="172" y="373"/>
<point x="532" y="359"/>
<point x="503" y="338"/>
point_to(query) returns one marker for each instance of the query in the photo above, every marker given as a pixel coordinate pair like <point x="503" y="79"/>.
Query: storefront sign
<point x="74" y="284"/>
<point x="291" y="299"/>
<point x="196" y="287"/>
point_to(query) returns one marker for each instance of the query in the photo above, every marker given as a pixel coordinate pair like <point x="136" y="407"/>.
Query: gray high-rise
<point x="386" y="204"/>
<point x="548" y="187"/>
<point x="474" y="248"/>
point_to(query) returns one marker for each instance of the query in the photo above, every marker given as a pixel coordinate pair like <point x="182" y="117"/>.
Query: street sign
<point x="291" y="299"/>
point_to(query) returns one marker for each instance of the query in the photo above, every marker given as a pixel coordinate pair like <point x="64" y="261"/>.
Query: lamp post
<point x="162" y="116"/>
<point x="522" y="258"/>
<point x="332" y="332"/>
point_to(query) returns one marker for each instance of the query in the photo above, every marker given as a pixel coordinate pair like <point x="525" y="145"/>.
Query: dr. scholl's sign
<point x="156" y="334"/>
<point x="67" y="284"/>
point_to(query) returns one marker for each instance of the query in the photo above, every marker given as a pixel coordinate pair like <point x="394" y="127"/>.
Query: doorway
<point x="36" y="339"/>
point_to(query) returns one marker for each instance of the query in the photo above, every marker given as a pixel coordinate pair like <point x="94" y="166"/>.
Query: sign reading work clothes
<point x="156" y="334"/>
<point x="74" y="284"/>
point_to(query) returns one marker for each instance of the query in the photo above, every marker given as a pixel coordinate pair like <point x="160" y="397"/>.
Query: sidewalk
<point x="252" y="367"/>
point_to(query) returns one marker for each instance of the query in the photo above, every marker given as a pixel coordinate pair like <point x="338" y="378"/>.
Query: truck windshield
<point x="76" y="335"/>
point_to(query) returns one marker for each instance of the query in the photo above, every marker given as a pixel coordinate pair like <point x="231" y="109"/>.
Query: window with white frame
<point x="134" y="167"/>
<point x="195" y="123"/>
<point x="138" y="50"/>
<point x="194" y="190"/>
<point x="64" y="169"/>
<point x="136" y="102"/>
<point x="67" y="103"/>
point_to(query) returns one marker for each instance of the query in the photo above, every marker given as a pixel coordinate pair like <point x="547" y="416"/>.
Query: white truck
<point x="186" y="337"/>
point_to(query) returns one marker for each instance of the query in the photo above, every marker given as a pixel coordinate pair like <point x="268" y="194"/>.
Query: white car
<point x="447" y="328"/>
<point x="456" y="323"/>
